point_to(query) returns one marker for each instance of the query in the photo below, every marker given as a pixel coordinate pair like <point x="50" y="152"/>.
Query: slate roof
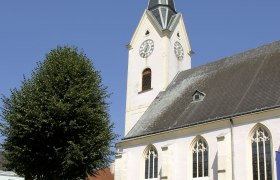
<point x="165" y="15"/>
<point x="154" y="3"/>
<point x="240" y="84"/>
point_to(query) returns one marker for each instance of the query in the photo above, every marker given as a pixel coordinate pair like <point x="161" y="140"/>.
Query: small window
<point x="147" y="33"/>
<point x="146" y="79"/>
<point x="198" y="96"/>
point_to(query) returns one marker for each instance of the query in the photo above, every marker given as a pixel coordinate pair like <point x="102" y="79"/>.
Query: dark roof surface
<point x="154" y="3"/>
<point x="163" y="14"/>
<point x="246" y="82"/>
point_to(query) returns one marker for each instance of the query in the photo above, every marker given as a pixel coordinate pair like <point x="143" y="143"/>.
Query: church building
<point x="219" y="121"/>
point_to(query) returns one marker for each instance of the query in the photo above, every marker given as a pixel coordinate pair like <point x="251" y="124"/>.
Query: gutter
<point x="203" y="122"/>
<point x="232" y="148"/>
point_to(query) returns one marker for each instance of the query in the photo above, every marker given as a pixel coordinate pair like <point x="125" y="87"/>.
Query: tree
<point x="57" y="123"/>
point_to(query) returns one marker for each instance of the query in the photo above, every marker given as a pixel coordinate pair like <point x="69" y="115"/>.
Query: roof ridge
<point x="234" y="56"/>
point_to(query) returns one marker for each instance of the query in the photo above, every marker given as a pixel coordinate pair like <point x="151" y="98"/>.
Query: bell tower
<point x="158" y="51"/>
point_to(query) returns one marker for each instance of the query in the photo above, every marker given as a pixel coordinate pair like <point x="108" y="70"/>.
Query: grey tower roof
<point x="241" y="84"/>
<point x="163" y="11"/>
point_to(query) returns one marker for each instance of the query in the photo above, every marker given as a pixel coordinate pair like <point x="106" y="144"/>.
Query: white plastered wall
<point x="242" y="150"/>
<point x="176" y="65"/>
<point x="179" y="156"/>
<point x="179" y="153"/>
<point x="162" y="62"/>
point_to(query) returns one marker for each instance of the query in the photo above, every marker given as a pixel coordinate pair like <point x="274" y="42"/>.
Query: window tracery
<point x="151" y="164"/>
<point x="200" y="158"/>
<point x="261" y="155"/>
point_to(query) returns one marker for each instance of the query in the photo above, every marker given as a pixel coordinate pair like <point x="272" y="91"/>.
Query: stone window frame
<point x="253" y="139"/>
<point x="195" y="150"/>
<point x="151" y="173"/>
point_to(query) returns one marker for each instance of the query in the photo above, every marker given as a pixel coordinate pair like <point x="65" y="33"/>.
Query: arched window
<point x="200" y="158"/>
<point x="151" y="163"/>
<point x="261" y="154"/>
<point x="146" y="79"/>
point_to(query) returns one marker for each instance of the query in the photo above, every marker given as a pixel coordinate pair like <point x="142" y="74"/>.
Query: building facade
<point x="217" y="121"/>
<point x="9" y="175"/>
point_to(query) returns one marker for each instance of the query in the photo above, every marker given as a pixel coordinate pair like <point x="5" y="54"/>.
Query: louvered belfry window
<point x="146" y="79"/>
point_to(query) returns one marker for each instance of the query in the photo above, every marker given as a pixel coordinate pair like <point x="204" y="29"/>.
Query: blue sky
<point x="30" y="29"/>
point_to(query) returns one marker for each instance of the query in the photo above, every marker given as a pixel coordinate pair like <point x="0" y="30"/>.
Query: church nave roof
<point x="244" y="83"/>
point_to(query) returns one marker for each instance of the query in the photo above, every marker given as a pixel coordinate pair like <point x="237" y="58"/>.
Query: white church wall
<point x="224" y="153"/>
<point x="242" y="144"/>
<point x="179" y="153"/>
<point x="180" y="163"/>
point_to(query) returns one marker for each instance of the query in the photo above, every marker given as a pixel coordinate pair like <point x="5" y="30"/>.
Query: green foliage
<point x="57" y="124"/>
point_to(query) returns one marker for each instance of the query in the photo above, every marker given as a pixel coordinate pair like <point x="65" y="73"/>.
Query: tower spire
<point x="165" y="3"/>
<point x="163" y="11"/>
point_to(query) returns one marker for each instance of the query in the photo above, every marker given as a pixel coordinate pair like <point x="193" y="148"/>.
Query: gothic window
<point x="200" y="158"/>
<point x="261" y="155"/>
<point x="146" y="79"/>
<point x="151" y="163"/>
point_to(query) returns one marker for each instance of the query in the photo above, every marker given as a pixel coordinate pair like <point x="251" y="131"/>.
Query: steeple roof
<point x="155" y="3"/>
<point x="163" y="11"/>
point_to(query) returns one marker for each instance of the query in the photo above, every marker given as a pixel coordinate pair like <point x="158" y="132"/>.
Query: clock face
<point x="178" y="50"/>
<point x="146" y="48"/>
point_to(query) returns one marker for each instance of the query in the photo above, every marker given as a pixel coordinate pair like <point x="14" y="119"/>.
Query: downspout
<point x="232" y="149"/>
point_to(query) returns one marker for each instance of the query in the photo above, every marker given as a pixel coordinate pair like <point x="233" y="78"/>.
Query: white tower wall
<point x="162" y="62"/>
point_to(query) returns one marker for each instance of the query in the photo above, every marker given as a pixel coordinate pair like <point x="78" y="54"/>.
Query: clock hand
<point x="146" y="48"/>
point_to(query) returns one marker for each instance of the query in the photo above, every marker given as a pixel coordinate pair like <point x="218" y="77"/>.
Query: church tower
<point x="158" y="51"/>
